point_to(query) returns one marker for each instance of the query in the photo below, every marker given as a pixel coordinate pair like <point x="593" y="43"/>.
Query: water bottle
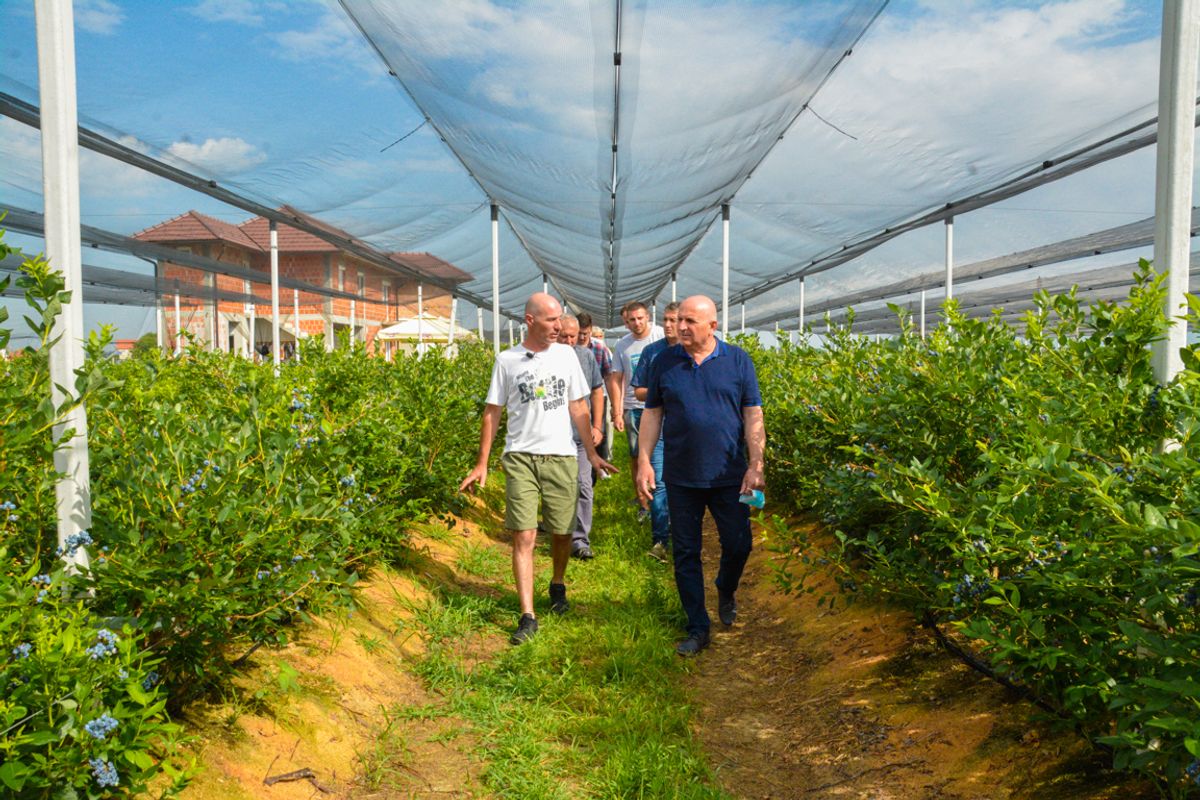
<point x="755" y="499"/>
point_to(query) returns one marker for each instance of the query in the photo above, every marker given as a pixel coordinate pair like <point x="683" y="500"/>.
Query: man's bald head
<point x="697" y="323"/>
<point x="542" y="315"/>
<point x="568" y="331"/>
<point x="541" y="303"/>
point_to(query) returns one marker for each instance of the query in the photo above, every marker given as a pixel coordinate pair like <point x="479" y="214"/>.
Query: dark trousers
<point x="687" y="505"/>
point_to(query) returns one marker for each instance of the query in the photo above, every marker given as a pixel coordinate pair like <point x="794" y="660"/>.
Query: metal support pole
<point x="743" y="319"/>
<point x="420" y="319"/>
<point x="922" y="313"/>
<point x="453" y="317"/>
<point x="511" y="336"/>
<point x="296" y="321"/>
<point x="275" y="295"/>
<point x="178" y="323"/>
<point x="496" y="278"/>
<point x="252" y="311"/>
<point x="673" y="298"/>
<point x="545" y="284"/>
<point x="60" y="188"/>
<point x="1173" y="178"/>
<point x="160" y="320"/>
<point x="654" y="313"/>
<point x="725" y="271"/>
<point x="216" y="316"/>
<point x="802" y="337"/>
<point x="479" y="321"/>
<point x="949" y="257"/>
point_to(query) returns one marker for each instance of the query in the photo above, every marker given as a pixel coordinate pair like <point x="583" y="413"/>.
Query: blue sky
<point x="285" y="102"/>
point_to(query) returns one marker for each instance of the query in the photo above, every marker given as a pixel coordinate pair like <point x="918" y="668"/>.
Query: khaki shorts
<point x="553" y="479"/>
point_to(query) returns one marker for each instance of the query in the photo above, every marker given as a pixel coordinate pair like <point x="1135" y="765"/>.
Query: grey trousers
<point x="583" y="511"/>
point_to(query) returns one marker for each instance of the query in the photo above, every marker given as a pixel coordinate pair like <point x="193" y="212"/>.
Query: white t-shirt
<point x="537" y="389"/>
<point x="626" y="355"/>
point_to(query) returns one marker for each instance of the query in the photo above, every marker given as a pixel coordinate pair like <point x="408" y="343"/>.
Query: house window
<point x="387" y="298"/>
<point x="341" y="278"/>
<point x="362" y="285"/>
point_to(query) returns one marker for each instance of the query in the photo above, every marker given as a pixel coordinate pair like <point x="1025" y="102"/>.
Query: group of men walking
<point x="691" y="410"/>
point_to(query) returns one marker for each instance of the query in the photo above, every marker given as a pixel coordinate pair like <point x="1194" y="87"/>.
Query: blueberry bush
<point x="228" y="504"/>
<point x="1013" y="484"/>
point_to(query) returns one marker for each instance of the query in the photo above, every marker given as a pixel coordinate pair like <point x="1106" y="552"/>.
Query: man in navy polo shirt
<point x="703" y="394"/>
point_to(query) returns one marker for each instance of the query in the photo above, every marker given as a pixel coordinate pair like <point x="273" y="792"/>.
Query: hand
<point x="645" y="483"/>
<point x="752" y="480"/>
<point x="478" y="475"/>
<point x="619" y="423"/>
<point x="597" y="436"/>
<point x="600" y="465"/>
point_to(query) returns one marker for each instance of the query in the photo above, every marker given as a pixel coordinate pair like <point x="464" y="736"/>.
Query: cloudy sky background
<point x="287" y="102"/>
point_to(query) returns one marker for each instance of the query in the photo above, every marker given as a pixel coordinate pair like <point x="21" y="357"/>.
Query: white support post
<point x="296" y="321"/>
<point x="922" y="313"/>
<point x="511" y="336"/>
<point x="215" y="317"/>
<point x="252" y="311"/>
<point x="60" y="188"/>
<point x="420" y="318"/>
<point x="673" y="299"/>
<point x="654" y="313"/>
<point x="725" y="271"/>
<point x="160" y="320"/>
<point x="496" y="278"/>
<point x="453" y="317"/>
<point x="1173" y="179"/>
<point x="743" y="319"/>
<point x="545" y="284"/>
<point x="801" y="337"/>
<point x="275" y="355"/>
<point x="949" y="257"/>
<point x="479" y="321"/>
<point x="178" y="323"/>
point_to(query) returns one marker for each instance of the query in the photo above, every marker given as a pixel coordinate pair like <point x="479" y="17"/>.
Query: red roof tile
<point x="292" y="240"/>
<point x="193" y="226"/>
<point x="431" y="265"/>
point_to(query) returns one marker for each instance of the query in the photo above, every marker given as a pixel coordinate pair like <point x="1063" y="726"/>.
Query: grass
<point x="594" y="705"/>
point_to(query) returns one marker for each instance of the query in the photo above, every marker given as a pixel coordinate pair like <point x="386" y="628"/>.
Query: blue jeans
<point x="660" y="517"/>
<point x="733" y="528"/>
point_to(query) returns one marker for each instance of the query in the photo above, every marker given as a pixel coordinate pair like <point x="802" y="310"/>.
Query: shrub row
<point x="1013" y="484"/>
<point x="227" y="504"/>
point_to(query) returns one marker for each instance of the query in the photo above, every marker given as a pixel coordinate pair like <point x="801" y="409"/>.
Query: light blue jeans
<point x="660" y="518"/>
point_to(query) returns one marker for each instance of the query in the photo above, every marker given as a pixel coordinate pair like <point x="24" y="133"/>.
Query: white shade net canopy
<point x="610" y="134"/>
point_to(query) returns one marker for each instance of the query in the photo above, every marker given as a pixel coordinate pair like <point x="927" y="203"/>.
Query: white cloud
<point x="332" y="40"/>
<point x="225" y="156"/>
<point x="98" y="16"/>
<point x="241" y="12"/>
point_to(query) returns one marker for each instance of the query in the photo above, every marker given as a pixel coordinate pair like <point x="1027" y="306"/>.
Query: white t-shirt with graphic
<point x="537" y="389"/>
<point x="626" y="355"/>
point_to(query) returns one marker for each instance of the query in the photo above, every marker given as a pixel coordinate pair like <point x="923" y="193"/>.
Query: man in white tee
<point x="626" y="408"/>
<point x="542" y="385"/>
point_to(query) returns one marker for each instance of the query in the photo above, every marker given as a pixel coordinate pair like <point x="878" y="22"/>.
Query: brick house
<point x="236" y="326"/>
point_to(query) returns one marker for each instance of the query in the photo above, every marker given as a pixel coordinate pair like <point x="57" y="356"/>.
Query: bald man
<point x="544" y="390"/>
<point x="703" y="395"/>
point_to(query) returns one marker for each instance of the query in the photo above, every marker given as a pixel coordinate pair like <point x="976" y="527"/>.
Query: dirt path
<point x="796" y="701"/>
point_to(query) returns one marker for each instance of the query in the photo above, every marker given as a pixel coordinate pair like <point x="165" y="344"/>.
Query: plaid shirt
<point x="603" y="356"/>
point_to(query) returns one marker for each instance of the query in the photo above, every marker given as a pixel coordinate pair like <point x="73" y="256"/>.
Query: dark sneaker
<point x="692" y="645"/>
<point x="726" y="607"/>
<point x="583" y="553"/>
<point x="558" y="598"/>
<point x="526" y="629"/>
<point x="659" y="552"/>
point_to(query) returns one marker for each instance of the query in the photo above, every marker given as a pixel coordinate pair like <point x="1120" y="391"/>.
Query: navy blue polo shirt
<point x="704" y="441"/>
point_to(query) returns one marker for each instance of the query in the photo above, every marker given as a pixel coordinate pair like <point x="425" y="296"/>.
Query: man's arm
<point x="647" y="439"/>
<point x="640" y="393"/>
<point x="487" y="432"/>
<point x="616" y="395"/>
<point x="583" y="424"/>
<point x="597" y="415"/>
<point x="756" y="441"/>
